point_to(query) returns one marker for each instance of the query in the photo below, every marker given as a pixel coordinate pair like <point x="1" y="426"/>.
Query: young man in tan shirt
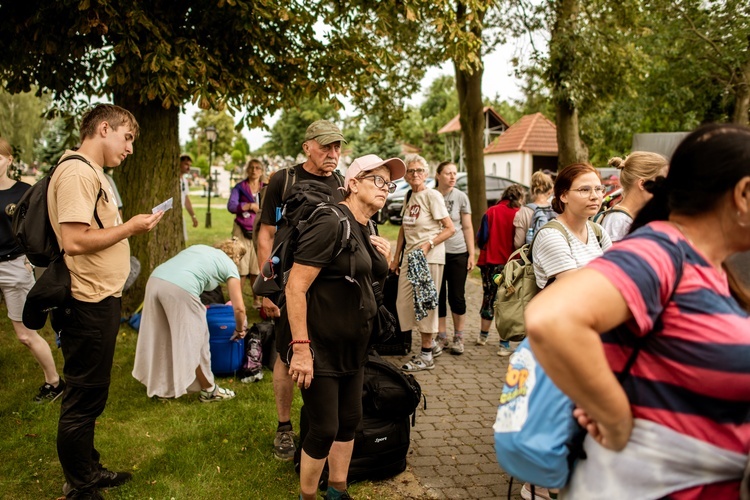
<point x="83" y="213"/>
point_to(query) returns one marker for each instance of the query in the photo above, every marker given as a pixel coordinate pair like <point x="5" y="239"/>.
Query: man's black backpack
<point x="33" y="232"/>
<point x="31" y="226"/>
<point x="305" y="199"/>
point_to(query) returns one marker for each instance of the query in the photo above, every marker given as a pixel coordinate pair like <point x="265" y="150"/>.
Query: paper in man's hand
<point x="162" y="207"/>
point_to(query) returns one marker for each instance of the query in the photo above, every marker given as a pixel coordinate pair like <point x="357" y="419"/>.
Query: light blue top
<point x="197" y="269"/>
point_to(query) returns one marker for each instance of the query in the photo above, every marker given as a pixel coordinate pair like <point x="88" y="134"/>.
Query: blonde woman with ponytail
<point x="542" y="187"/>
<point x="635" y="171"/>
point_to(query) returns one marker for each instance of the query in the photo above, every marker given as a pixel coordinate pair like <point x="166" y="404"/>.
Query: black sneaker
<point x="107" y="479"/>
<point x="85" y="495"/>
<point x="110" y="479"/>
<point x="49" y="393"/>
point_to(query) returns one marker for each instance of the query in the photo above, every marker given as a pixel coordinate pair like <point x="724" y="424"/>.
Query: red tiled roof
<point x="407" y="148"/>
<point x="532" y="134"/>
<point x="455" y="125"/>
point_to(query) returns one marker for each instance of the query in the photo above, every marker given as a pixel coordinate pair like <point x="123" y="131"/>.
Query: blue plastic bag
<point x="135" y="321"/>
<point x="536" y="436"/>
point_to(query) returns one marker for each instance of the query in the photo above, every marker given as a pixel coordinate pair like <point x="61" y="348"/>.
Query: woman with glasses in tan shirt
<point x="425" y="226"/>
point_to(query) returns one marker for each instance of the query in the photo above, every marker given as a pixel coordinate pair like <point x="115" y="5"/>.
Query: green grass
<point x="179" y="449"/>
<point x="221" y="221"/>
<point x="389" y="231"/>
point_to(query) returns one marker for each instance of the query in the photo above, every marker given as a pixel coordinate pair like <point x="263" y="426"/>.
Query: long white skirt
<point x="172" y="341"/>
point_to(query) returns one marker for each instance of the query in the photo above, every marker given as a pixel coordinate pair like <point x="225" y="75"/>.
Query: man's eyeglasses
<point x="415" y="171"/>
<point x="380" y="183"/>
<point x="585" y="191"/>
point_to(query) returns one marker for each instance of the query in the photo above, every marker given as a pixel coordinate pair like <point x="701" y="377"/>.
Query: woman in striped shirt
<point x="569" y="242"/>
<point x="574" y="241"/>
<point x="678" y="424"/>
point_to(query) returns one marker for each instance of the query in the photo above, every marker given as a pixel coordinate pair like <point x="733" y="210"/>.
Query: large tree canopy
<point x="613" y="69"/>
<point x="252" y="57"/>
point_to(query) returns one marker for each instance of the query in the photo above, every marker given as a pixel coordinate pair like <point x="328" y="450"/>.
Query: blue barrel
<point x="226" y="355"/>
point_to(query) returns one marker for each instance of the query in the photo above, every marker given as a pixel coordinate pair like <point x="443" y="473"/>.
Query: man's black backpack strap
<point x="290" y="178"/>
<point x="31" y="225"/>
<point x="99" y="195"/>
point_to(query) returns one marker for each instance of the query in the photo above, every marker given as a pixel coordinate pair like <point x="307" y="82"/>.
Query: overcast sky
<point x="497" y="80"/>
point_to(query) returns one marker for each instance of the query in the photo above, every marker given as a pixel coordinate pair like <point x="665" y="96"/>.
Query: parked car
<point x="494" y="186"/>
<point x="402" y="187"/>
<point x="392" y="209"/>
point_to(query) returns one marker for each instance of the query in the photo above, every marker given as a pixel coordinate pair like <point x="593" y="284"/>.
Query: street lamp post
<point x="211" y="136"/>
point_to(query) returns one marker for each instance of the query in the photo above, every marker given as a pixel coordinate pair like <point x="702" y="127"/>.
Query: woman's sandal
<point x="218" y="394"/>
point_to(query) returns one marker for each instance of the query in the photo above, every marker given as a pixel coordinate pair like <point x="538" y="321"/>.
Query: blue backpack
<point x="542" y="215"/>
<point x="536" y="436"/>
<point x="537" y="440"/>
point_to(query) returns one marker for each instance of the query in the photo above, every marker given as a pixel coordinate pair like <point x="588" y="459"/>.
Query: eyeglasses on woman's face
<point x="585" y="191"/>
<point x="415" y="171"/>
<point x="380" y="182"/>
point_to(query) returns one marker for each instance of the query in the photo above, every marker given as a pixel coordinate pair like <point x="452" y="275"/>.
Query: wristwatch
<point x="432" y="244"/>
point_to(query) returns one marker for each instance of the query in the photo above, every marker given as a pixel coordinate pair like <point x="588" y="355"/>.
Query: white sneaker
<point x="539" y="493"/>
<point x="505" y="349"/>
<point x="418" y="364"/>
<point x="437" y="349"/>
<point x="481" y="340"/>
<point x="458" y="347"/>
<point x="218" y="394"/>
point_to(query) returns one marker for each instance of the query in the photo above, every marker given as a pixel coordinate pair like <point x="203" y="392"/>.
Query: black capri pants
<point x="454" y="279"/>
<point x="334" y="408"/>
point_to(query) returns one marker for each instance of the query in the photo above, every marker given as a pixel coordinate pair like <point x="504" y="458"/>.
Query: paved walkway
<point x="452" y="453"/>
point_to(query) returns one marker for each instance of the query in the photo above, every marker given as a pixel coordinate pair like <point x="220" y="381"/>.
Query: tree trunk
<point x="469" y="86"/>
<point x="563" y="43"/>
<point x="148" y="177"/>
<point x="570" y="148"/>
<point x="471" y="109"/>
<point x="742" y="97"/>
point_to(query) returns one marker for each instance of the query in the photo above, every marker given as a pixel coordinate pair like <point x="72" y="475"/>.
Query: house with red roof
<point x="528" y="145"/>
<point x="494" y="126"/>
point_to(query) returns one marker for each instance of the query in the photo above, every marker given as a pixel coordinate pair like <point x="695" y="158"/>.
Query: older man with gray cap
<point x="322" y="147"/>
